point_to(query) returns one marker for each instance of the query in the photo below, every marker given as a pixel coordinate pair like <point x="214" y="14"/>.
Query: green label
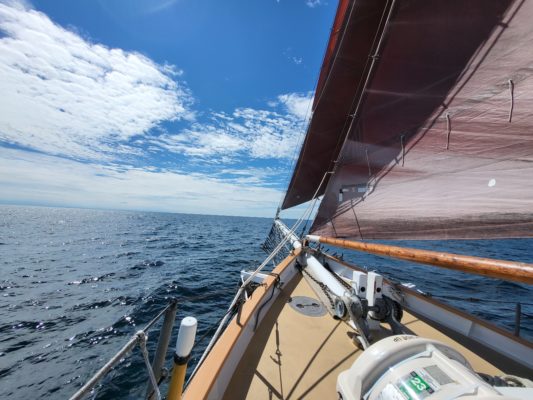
<point x="413" y="387"/>
<point x="417" y="383"/>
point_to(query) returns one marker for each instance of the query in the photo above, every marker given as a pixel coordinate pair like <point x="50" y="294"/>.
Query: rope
<point x="277" y="285"/>
<point x="511" y="94"/>
<point x="403" y="149"/>
<point x="142" y="337"/>
<point x="377" y="44"/>
<point x="210" y="329"/>
<point x="368" y="163"/>
<point x="449" y="130"/>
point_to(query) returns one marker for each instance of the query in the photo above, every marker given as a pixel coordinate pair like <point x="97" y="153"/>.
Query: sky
<point x="190" y="106"/>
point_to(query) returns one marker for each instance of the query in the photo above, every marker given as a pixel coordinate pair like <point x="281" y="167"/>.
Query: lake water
<point x="76" y="284"/>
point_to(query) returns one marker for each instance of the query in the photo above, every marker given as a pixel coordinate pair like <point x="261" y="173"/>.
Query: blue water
<point x="75" y="284"/>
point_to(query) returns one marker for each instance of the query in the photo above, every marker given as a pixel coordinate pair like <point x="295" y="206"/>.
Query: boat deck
<point x="303" y="355"/>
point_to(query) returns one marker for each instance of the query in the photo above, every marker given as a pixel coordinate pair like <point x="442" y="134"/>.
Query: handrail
<point x="139" y="338"/>
<point x="493" y="268"/>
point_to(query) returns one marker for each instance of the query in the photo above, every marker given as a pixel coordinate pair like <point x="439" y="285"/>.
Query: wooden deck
<point x="294" y="356"/>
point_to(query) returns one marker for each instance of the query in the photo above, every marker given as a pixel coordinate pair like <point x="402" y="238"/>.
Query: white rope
<point x="142" y="338"/>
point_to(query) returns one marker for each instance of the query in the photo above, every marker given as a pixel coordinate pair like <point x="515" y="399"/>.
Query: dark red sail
<point x="436" y="137"/>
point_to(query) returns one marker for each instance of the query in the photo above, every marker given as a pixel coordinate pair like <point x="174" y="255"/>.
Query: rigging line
<point x="373" y="63"/>
<point x="357" y="222"/>
<point x="402" y="137"/>
<point x="367" y="79"/>
<point x="449" y="130"/>
<point x="203" y="337"/>
<point x="299" y="145"/>
<point x="289" y="234"/>
<point x="335" y="57"/>
<point x="338" y="47"/>
<point x="371" y="59"/>
<point x="252" y="276"/>
<point x="368" y="162"/>
<point x="301" y="141"/>
<point x="511" y="94"/>
<point x="142" y="338"/>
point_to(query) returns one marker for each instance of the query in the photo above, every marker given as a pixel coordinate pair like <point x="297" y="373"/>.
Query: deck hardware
<point x="182" y="354"/>
<point x="325" y="289"/>
<point x="162" y="346"/>
<point x="307" y="306"/>
<point x="357" y="309"/>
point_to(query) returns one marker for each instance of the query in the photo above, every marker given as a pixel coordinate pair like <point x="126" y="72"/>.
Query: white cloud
<point x="297" y="103"/>
<point x="260" y="134"/>
<point x="70" y="99"/>
<point x="63" y="95"/>
<point x="64" y="182"/>
<point x="313" y="3"/>
<point x="252" y="176"/>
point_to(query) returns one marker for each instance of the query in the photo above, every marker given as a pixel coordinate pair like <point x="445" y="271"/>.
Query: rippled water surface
<point x="75" y="284"/>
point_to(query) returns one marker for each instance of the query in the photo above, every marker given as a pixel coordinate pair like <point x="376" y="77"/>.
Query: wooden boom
<point x="500" y="269"/>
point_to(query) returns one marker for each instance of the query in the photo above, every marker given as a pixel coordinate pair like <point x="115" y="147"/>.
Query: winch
<point x="406" y="367"/>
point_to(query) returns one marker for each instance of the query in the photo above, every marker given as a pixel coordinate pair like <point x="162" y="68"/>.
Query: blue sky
<point x="163" y="105"/>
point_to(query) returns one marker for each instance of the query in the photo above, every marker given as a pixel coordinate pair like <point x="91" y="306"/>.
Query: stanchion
<point x="162" y="346"/>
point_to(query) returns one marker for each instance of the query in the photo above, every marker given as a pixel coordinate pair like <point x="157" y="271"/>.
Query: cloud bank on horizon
<point x="83" y="124"/>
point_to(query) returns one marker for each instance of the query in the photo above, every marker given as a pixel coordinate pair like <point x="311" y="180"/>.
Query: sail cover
<point x="424" y="116"/>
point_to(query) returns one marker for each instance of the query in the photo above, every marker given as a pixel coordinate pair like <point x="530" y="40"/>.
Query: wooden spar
<point x="500" y="269"/>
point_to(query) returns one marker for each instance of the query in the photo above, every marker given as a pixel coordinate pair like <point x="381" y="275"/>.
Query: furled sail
<point x="425" y="119"/>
